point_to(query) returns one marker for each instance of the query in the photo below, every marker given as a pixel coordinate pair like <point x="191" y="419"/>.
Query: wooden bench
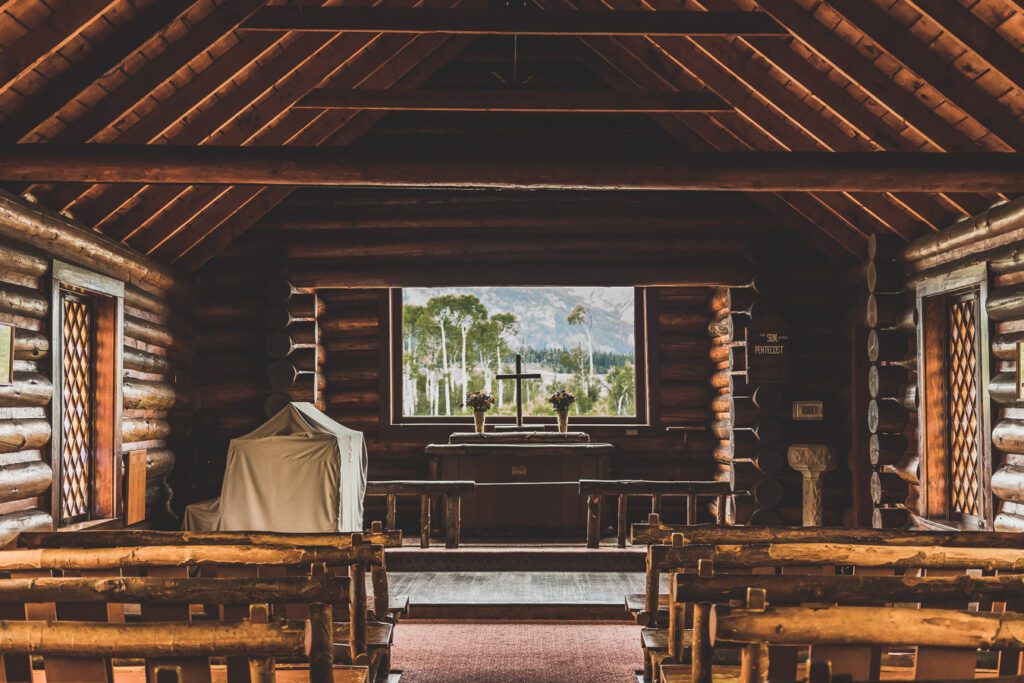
<point x="86" y="598"/>
<point x="425" y="491"/>
<point x="946" y="640"/>
<point x="596" y="489"/>
<point x="799" y="557"/>
<point x="362" y="644"/>
<point x="386" y="606"/>
<point x="655" y="532"/>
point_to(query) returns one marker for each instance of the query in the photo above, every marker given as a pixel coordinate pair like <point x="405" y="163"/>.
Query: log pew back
<point x="82" y="651"/>
<point x="946" y="640"/>
<point x="425" y="490"/>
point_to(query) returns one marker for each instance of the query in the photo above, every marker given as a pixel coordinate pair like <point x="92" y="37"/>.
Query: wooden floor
<point x="519" y="557"/>
<point x="516" y="595"/>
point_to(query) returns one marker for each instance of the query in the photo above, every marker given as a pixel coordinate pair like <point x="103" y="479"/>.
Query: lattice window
<point x="964" y="479"/>
<point x="77" y="408"/>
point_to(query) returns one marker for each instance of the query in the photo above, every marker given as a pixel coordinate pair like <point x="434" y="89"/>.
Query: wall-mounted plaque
<point x="6" y="354"/>
<point x="135" y="508"/>
<point x="768" y="350"/>
<point x="808" y="410"/>
<point x="1020" y="371"/>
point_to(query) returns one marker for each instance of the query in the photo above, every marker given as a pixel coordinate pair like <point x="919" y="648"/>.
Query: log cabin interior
<point x="289" y="290"/>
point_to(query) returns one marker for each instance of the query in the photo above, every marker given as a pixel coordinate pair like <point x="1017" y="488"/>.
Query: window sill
<point x="92" y="524"/>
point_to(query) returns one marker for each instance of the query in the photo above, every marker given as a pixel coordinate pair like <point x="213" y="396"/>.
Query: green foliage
<point x="453" y="344"/>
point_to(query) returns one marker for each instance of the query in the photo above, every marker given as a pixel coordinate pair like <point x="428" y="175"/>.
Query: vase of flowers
<point x="561" y="401"/>
<point x="479" y="402"/>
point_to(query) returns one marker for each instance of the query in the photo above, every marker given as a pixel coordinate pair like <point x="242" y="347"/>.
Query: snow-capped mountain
<point x="542" y="312"/>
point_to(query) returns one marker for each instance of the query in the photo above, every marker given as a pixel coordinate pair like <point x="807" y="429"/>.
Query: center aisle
<point x="517" y="652"/>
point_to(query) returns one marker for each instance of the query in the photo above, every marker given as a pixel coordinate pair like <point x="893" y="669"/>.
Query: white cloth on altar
<point x="299" y="472"/>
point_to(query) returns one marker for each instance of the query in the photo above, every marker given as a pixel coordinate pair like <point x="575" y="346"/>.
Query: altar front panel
<point x="540" y="496"/>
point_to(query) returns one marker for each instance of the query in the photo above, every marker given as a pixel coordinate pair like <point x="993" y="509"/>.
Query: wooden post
<point x="623" y="521"/>
<point x="392" y="505"/>
<point x="594" y="520"/>
<point x="700" y="662"/>
<point x="452" y="520"/>
<point x="261" y="669"/>
<point x="321" y="629"/>
<point x="691" y="509"/>
<point x="719" y="509"/>
<point x="357" y="609"/>
<point x="424" y="521"/>
<point x="753" y="656"/>
<point x="812" y="461"/>
<point x="656" y="504"/>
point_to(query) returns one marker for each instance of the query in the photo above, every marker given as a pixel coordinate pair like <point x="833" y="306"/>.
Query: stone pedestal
<point x="812" y="461"/>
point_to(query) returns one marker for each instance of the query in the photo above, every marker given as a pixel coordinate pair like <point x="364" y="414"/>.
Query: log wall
<point x="995" y="238"/>
<point x="354" y="370"/>
<point x="156" y="359"/>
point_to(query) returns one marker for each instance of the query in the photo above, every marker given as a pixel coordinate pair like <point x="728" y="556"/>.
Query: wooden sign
<point x="808" y="410"/>
<point x="136" y="505"/>
<point x="767" y="350"/>
<point x="1020" y="371"/>
<point x="6" y="354"/>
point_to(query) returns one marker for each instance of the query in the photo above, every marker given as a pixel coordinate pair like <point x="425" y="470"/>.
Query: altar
<point x="527" y="481"/>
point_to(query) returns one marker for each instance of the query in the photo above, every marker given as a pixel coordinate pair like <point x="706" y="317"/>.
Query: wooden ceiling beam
<point x="865" y="75"/>
<point x="63" y="25"/>
<point x="148" y="25"/>
<point x="503" y="21"/>
<point x="98" y="121"/>
<point x="984" y="108"/>
<point x="626" y="70"/>
<point x="291" y="166"/>
<point x="514" y="101"/>
<point x="977" y="36"/>
<point x="202" y="238"/>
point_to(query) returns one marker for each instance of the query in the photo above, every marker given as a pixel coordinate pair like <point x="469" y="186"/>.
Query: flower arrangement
<point x="479" y="401"/>
<point x="561" y="400"/>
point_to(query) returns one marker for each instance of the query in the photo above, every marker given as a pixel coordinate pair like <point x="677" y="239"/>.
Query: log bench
<point x="822" y="561"/>
<point x="85" y="599"/>
<point x="597" y="489"/>
<point x="362" y="644"/>
<point x="425" y="490"/>
<point x="946" y="640"/>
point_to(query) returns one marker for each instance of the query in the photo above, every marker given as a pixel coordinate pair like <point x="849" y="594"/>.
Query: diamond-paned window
<point x="77" y="408"/>
<point x="964" y="448"/>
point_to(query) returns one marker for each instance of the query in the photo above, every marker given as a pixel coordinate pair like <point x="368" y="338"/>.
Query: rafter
<point x="151" y="22"/>
<point x="514" y="101"/>
<point x="293" y="166"/>
<point x="961" y="91"/>
<point x="62" y="26"/>
<point x="506" y="21"/>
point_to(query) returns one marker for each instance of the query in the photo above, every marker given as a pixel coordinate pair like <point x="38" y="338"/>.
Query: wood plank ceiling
<point x="841" y="76"/>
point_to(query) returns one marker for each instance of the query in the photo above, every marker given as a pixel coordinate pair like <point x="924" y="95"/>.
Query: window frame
<point x="107" y="298"/>
<point x="933" y="296"/>
<point x="641" y="336"/>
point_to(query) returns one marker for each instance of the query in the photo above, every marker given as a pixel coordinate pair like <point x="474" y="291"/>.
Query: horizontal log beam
<point x="334" y="167"/>
<point x="515" y="101"/>
<point x="664" y="488"/>
<point x="140" y="537"/>
<point x="512" y="22"/>
<point x="706" y="272"/>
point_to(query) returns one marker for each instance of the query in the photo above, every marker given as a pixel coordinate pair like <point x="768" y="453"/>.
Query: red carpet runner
<point x="532" y="652"/>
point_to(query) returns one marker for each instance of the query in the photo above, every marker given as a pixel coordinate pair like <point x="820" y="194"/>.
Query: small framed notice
<point x="136" y="505"/>
<point x="6" y="354"/>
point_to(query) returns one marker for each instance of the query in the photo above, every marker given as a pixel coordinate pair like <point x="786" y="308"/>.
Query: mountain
<point x="542" y="312"/>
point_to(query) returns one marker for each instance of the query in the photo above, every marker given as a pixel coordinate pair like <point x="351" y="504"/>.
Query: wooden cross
<point x="518" y="376"/>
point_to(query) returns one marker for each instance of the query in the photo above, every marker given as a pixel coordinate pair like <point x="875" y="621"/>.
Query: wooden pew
<point x="426" y="490"/>
<point x="660" y="644"/>
<point x="947" y="640"/>
<point x="386" y="607"/>
<point x="317" y="590"/>
<point x="234" y="560"/>
<point x="597" y="489"/>
<point x="655" y="532"/>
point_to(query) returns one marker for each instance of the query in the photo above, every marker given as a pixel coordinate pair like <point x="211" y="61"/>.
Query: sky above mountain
<point x="542" y="312"/>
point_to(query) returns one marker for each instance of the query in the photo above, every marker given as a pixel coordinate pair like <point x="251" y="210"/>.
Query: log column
<point x="295" y="370"/>
<point x="891" y="319"/>
<point x="811" y="461"/>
